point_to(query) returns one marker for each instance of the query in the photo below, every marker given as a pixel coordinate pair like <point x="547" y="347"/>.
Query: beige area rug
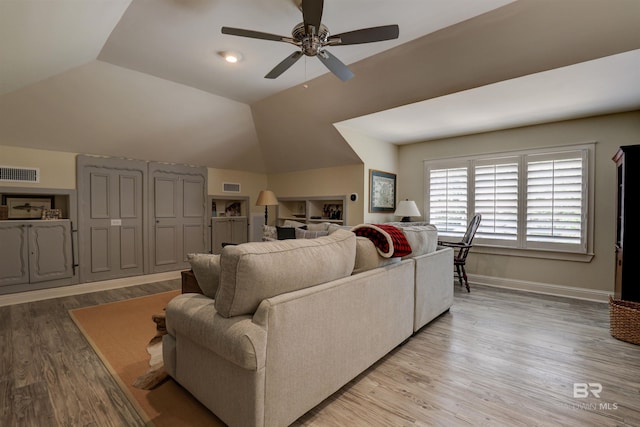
<point x="119" y="333"/>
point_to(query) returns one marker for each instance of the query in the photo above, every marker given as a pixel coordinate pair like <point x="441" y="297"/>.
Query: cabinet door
<point x="220" y="233"/>
<point x="14" y="254"/>
<point x="111" y="214"/>
<point x="178" y="197"/>
<point x="50" y="251"/>
<point x="239" y="230"/>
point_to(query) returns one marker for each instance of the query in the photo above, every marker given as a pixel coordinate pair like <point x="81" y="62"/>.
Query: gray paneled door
<point x="178" y="214"/>
<point x="111" y="233"/>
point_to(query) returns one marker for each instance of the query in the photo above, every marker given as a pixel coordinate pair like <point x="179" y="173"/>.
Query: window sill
<point x="531" y="253"/>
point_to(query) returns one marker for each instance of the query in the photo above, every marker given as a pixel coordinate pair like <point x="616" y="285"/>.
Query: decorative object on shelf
<point x="21" y="207"/>
<point x="406" y="209"/>
<point x="382" y="191"/>
<point x="51" y="214"/>
<point x="233" y="209"/>
<point x="332" y="211"/>
<point x="266" y="198"/>
<point x="4" y="212"/>
<point x="214" y="210"/>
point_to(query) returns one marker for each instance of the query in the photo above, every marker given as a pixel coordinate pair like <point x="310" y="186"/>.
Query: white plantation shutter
<point x="529" y="200"/>
<point x="496" y="198"/>
<point x="448" y="199"/>
<point x="555" y="198"/>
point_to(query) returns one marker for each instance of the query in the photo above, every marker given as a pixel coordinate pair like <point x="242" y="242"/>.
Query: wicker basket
<point x="4" y="212"/>
<point x="625" y="320"/>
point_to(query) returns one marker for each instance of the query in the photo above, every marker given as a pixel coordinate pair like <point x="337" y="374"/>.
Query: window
<point x="534" y="200"/>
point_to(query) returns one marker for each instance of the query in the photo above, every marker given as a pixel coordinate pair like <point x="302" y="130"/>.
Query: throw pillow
<point x="308" y="234"/>
<point x="322" y="226"/>
<point x="269" y="232"/>
<point x="285" y="233"/>
<point x="292" y="223"/>
<point x="206" y="268"/>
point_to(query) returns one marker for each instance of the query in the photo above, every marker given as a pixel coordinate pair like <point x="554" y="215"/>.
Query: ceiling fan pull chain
<point x="305" y="85"/>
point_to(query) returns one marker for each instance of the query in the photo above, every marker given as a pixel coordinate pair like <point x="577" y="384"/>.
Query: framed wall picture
<point x="382" y="191"/>
<point x="27" y="207"/>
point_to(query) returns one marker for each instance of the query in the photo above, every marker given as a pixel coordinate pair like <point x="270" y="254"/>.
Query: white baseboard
<point x="84" y="288"/>
<point x="541" y="288"/>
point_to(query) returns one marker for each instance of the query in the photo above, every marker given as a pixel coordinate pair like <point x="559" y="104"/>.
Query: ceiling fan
<point x="311" y="36"/>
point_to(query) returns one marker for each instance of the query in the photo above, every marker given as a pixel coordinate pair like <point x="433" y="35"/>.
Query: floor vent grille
<point x="15" y="174"/>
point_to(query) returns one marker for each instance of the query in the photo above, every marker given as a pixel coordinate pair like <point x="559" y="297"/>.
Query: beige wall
<point x="376" y="155"/>
<point x="57" y="169"/>
<point x="609" y="132"/>
<point x="338" y="181"/>
<point x="250" y="185"/>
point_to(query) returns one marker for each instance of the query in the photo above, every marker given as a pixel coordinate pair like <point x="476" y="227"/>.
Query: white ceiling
<point x="601" y="86"/>
<point x="188" y="33"/>
<point x="143" y="79"/>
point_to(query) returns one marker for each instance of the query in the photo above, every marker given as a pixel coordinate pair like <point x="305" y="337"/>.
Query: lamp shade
<point x="406" y="209"/>
<point x="266" y="198"/>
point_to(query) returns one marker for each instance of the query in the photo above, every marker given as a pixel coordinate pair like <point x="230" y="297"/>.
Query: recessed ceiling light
<point x="231" y="57"/>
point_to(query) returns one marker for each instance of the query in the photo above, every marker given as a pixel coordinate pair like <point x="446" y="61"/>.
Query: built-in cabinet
<point x="35" y="251"/>
<point x="312" y="209"/>
<point x="229" y="221"/>
<point x="230" y="230"/>
<point x="627" y="161"/>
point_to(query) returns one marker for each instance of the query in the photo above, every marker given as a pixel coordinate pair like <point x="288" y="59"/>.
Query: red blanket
<point x="389" y="240"/>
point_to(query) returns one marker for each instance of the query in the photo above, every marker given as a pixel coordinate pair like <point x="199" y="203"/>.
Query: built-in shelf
<point x="228" y="206"/>
<point x="312" y="209"/>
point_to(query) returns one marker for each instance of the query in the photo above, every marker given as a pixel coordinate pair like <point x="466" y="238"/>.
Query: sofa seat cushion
<point x="237" y="339"/>
<point x="252" y="272"/>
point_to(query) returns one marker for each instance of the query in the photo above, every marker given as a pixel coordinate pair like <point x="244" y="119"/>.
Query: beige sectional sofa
<point x="290" y="324"/>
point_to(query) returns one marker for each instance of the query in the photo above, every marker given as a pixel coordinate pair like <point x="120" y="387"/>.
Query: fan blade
<point x="365" y="35"/>
<point x="254" y="34"/>
<point x="284" y="65"/>
<point x="335" y="65"/>
<point x="312" y="15"/>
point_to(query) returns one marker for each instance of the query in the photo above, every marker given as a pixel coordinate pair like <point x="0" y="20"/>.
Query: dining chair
<point x="462" y="249"/>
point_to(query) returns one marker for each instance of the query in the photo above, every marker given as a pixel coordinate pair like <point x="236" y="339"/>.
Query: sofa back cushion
<point x="368" y="258"/>
<point x="206" y="268"/>
<point x="252" y="272"/>
<point x="422" y="238"/>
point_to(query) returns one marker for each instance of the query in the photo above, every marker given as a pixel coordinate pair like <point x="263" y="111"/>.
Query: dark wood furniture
<point x="627" y="286"/>
<point x="462" y="249"/>
<point x="189" y="283"/>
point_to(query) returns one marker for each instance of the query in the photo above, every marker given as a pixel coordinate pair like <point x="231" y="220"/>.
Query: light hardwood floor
<point x="498" y="358"/>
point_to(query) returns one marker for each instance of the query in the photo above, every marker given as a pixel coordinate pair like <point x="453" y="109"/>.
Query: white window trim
<point x="491" y="248"/>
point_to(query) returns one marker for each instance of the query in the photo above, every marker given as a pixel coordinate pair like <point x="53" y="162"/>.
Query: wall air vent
<point x="231" y="187"/>
<point x="16" y="174"/>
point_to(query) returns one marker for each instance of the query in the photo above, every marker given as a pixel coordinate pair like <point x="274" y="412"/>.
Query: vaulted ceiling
<point x="143" y="79"/>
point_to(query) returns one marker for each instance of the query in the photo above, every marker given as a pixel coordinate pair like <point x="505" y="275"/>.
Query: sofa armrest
<point x="236" y="339"/>
<point x="434" y="285"/>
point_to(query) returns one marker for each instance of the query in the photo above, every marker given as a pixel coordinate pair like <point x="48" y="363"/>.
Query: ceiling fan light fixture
<point x="311" y="37"/>
<point x="230" y="56"/>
